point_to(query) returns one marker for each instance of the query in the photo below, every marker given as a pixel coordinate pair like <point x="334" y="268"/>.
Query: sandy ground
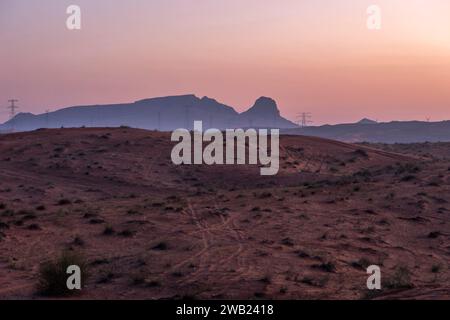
<point x="224" y="232"/>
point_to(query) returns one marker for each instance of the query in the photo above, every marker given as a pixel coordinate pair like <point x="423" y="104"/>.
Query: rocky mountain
<point x="391" y="132"/>
<point x="264" y="113"/>
<point x="164" y="114"/>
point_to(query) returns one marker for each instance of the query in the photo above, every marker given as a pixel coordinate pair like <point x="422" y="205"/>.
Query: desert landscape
<point x="148" y="229"/>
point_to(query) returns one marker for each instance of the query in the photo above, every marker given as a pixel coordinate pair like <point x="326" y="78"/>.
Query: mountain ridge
<point x="384" y="132"/>
<point x="160" y="113"/>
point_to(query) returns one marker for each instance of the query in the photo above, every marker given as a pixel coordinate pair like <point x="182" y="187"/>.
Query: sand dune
<point x="152" y="230"/>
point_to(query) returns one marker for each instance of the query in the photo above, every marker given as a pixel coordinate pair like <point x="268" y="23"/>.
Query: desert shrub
<point x="127" y="233"/>
<point x="409" y="177"/>
<point x="108" y="231"/>
<point x="401" y="279"/>
<point x="161" y="246"/>
<point x="78" y="241"/>
<point x="96" y="221"/>
<point x="34" y="227"/>
<point x="326" y="267"/>
<point x="362" y="263"/>
<point x="138" y="279"/>
<point x="436" y="268"/>
<point x="267" y="279"/>
<point x="3" y="225"/>
<point x="52" y="277"/>
<point x="287" y="242"/>
<point x="152" y="283"/>
<point x="106" y="277"/>
<point x="319" y="282"/>
<point x="264" y="195"/>
<point x="64" y="202"/>
<point x="361" y="152"/>
<point x="407" y="168"/>
<point x="434" y="235"/>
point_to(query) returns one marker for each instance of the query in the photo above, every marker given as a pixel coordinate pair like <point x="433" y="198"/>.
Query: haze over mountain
<point x="173" y="112"/>
<point x="371" y="131"/>
<point x="164" y="114"/>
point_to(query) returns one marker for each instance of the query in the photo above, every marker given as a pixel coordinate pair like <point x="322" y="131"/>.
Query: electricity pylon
<point x="304" y="119"/>
<point x="13" y="107"/>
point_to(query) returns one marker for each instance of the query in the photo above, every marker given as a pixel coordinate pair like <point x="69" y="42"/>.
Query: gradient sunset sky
<point x="315" y="56"/>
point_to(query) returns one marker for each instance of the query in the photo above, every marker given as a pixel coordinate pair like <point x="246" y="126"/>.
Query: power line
<point x="304" y="119"/>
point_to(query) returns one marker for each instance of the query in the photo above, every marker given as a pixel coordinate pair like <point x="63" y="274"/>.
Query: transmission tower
<point x="47" y="113"/>
<point x="159" y="121"/>
<point x="13" y="107"/>
<point x="187" y="115"/>
<point x="304" y="119"/>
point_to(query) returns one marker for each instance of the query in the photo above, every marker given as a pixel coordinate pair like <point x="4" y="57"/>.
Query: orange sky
<point x="315" y="56"/>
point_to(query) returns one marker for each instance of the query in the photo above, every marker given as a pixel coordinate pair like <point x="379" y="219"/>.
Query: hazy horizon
<point x="317" y="57"/>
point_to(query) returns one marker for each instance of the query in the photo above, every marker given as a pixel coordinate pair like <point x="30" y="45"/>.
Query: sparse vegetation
<point x="34" y="227"/>
<point x="52" y="277"/>
<point x="160" y="246"/>
<point x="64" y="202"/>
<point x="316" y="226"/>
<point x="436" y="268"/>
<point x="127" y="233"/>
<point x="108" y="231"/>
<point x="401" y="279"/>
<point x="362" y="153"/>
<point x="327" y="267"/>
<point x="362" y="264"/>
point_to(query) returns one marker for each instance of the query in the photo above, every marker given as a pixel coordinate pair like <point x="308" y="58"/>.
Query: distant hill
<point x="367" y="121"/>
<point x="164" y="114"/>
<point x="392" y="132"/>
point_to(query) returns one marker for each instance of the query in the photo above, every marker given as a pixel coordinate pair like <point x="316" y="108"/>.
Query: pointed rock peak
<point x="264" y="105"/>
<point x="207" y="99"/>
<point x="367" y="121"/>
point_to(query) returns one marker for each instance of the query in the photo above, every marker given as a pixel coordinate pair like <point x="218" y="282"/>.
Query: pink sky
<point x="315" y="56"/>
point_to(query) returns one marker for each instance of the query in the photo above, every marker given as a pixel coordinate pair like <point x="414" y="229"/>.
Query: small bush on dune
<point x="52" y="277"/>
<point x="401" y="279"/>
<point x="362" y="153"/>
